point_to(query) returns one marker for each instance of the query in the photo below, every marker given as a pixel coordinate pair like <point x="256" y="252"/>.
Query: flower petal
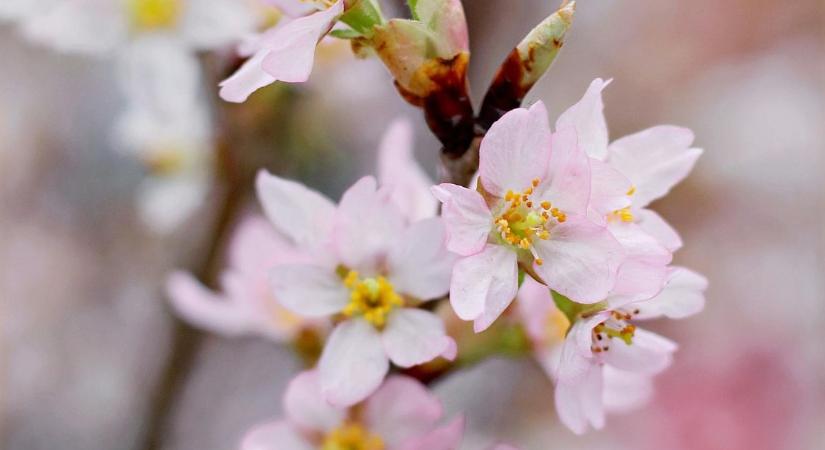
<point x="580" y="260"/>
<point x="247" y="79"/>
<point x="353" y="363"/>
<point x="205" y="309"/>
<point x="419" y="264"/>
<point x="414" y="336"/>
<point x="490" y="275"/>
<point x="292" y="50"/>
<point x="637" y="280"/>
<point x="682" y="296"/>
<point x="300" y="213"/>
<point x="447" y="437"/>
<point x="587" y="117"/>
<point x="609" y="188"/>
<point x="256" y="246"/>
<point x="579" y="402"/>
<point x="275" y="436"/>
<point x="649" y="353"/>
<point x="401" y="408"/>
<point x="307" y="290"/>
<point x="637" y="244"/>
<point x="654" y="160"/>
<point x="625" y="391"/>
<point x="466" y="216"/>
<point x="366" y="226"/>
<point x="306" y="407"/>
<point x="398" y="170"/>
<point x="654" y="225"/>
<point x="567" y="184"/>
<point x="515" y="150"/>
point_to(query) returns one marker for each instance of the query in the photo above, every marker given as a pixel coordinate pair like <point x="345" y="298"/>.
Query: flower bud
<point x="526" y="64"/>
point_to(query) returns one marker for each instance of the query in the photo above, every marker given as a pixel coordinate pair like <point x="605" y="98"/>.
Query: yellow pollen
<point x="545" y="205"/>
<point x="535" y="182"/>
<point x="154" y="14"/>
<point x="624" y="214"/>
<point x="522" y="220"/>
<point x="539" y="261"/>
<point x="631" y="191"/>
<point x="371" y="298"/>
<point x="352" y="436"/>
<point x="165" y="161"/>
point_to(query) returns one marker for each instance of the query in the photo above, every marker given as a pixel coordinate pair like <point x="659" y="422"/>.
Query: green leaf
<point x="362" y="16"/>
<point x="573" y="310"/>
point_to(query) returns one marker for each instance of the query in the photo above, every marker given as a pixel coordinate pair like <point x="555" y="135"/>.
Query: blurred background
<point x="92" y="357"/>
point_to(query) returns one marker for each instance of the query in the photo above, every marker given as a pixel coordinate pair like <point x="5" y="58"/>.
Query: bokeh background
<point x="92" y="357"/>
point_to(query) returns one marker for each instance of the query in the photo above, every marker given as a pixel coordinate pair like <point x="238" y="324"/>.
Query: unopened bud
<point x="526" y="64"/>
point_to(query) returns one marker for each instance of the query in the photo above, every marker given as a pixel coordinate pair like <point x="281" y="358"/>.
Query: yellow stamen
<point x="352" y="436"/>
<point x="372" y="298"/>
<point x="154" y="14"/>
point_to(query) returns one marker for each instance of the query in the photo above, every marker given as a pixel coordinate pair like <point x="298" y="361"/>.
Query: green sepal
<point x="573" y="310"/>
<point x="362" y="16"/>
<point x="345" y="33"/>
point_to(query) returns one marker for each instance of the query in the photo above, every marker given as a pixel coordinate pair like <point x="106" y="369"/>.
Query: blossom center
<point x="616" y="326"/>
<point x="624" y="214"/>
<point x="352" y="436"/>
<point x="372" y="298"/>
<point x="523" y="221"/>
<point x="165" y="160"/>
<point x="154" y="14"/>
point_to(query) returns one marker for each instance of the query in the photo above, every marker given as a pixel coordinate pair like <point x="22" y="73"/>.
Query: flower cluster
<point x="556" y="220"/>
<point x="567" y="209"/>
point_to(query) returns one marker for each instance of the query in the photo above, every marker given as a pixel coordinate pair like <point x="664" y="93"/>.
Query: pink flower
<point x="606" y="362"/>
<point x="401" y="415"/>
<point x="375" y="265"/>
<point x="531" y="211"/>
<point x="635" y="170"/>
<point x="285" y="52"/>
<point x="247" y="304"/>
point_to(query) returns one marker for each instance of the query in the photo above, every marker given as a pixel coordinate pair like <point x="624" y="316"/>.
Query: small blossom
<point x="532" y="211"/>
<point x="247" y="305"/>
<point x="400" y="415"/>
<point x="286" y="53"/>
<point x="606" y="361"/>
<point x="377" y="270"/>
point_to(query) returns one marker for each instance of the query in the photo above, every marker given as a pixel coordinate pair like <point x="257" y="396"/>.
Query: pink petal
<point x="306" y="407"/>
<point x="625" y="391"/>
<point x="579" y="402"/>
<point x="609" y="188"/>
<point x="256" y="246"/>
<point x="682" y="296"/>
<point x="576" y="358"/>
<point x="292" y="50"/>
<point x="278" y="435"/>
<point x="580" y="260"/>
<point x="534" y="305"/>
<point x="401" y="408"/>
<point x="310" y="291"/>
<point x="419" y="263"/>
<point x="637" y="280"/>
<point x="567" y="184"/>
<point x="304" y="215"/>
<point x="398" y="170"/>
<point x="247" y="79"/>
<point x="414" y="336"/>
<point x="654" y="160"/>
<point x="648" y="354"/>
<point x="490" y="275"/>
<point x="467" y="217"/>
<point x="447" y="437"/>
<point x="205" y="309"/>
<point x="654" y="225"/>
<point x="587" y="117"/>
<point x="515" y="150"/>
<point x="637" y="244"/>
<point x="353" y="363"/>
<point x="367" y="225"/>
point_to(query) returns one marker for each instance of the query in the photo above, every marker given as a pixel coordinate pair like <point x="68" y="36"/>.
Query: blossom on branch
<point x="401" y="415"/>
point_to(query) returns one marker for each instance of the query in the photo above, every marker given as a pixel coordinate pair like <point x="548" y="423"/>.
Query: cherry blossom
<point x="247" y="305"/>
<point x="401" y="415"/>
<point x="377" y="269"/>
<point x="530" y="210"/>
<point x="606" y="362"/>
<point x="286" y="52"/>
